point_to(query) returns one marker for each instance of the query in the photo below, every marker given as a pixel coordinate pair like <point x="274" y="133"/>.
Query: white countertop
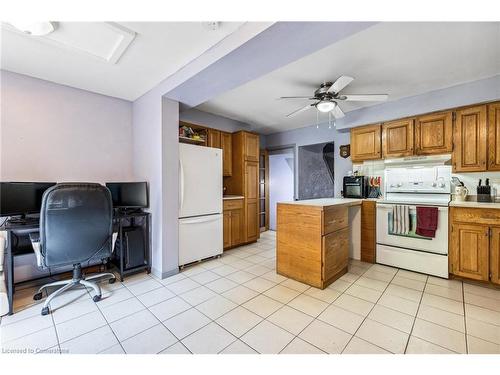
<point x="226" y="197"/>
<point x="323" y="202"/>
<point x="474" y="204"/>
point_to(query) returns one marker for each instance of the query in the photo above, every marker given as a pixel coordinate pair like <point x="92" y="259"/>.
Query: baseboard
<point x="164" y="275"/>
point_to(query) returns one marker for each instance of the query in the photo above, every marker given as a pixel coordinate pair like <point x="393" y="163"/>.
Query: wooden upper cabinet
<point x="433" y="134"/>
<point x="397" y="138"/>
<point x="365" y="143"/>
<point x="251" y="146"/>
<point x="469" y="251"/>
<point x="494" y="137"/>
<point x="213" y="138"/>
<point x="470" y="140"/>
<point x="226" y="143"/>
<point x="495" y="255"/>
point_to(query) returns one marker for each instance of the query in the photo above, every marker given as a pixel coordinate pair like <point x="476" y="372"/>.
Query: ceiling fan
<point x="327" y="96"/>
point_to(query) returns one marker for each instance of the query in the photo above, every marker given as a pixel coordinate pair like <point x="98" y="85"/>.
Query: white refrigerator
<point x="200" y="203"/>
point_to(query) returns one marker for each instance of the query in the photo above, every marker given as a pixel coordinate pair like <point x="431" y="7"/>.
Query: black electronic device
<point x="129" y="194"/>
<point x="22" y="198"/>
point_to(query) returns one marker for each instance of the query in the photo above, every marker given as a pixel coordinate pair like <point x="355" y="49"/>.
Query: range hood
<point x="416" y="161"/>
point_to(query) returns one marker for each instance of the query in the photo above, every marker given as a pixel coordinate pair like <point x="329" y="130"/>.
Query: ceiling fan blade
<point x="337" y="112"/>
<point x="339" y="84"/>
<point x="365" y="98"/>
<point x="294" y="113"/>
<point x="295" y="97"/>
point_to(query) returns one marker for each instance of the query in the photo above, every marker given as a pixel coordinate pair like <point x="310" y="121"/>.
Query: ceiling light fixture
<point x="35" y="28"/>
<point x="325" y="106"/>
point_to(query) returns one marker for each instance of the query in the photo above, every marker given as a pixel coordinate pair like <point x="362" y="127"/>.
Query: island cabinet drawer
<point x="334" y="219"/>
<point x="232" y="204"/>
<point x="335" y="253"/>
<point x="476" y="215"/>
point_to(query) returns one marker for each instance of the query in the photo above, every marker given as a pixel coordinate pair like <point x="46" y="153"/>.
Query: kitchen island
<point x="315" y="238"/>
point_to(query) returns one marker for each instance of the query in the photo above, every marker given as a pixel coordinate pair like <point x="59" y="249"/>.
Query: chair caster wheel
<point x="37" y="297"/>
<point x="112" y="281"/>
<point x="96" y="298"/>
<point x="45" y="311"/>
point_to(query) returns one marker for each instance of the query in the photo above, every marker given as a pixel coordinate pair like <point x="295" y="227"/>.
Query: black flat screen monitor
<point x="129" y="194"/>
<point x="21" y="198"/>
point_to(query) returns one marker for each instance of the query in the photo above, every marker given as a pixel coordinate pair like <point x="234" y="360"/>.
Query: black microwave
<point x="355" y="187"/>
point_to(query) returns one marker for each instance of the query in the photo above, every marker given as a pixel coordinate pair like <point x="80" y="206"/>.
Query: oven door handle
<point x="414" y="206"/>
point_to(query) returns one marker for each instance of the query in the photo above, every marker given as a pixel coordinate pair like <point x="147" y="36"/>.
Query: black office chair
<point x="75" y="226"/>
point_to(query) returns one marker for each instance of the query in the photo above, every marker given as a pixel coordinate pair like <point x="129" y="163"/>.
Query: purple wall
<point x="51" y="132"/>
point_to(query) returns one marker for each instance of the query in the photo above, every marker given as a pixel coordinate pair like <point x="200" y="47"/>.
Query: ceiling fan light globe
<point x="325" y="106"/>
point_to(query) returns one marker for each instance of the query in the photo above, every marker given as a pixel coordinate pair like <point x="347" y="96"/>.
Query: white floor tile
<point x="439" y="335"/>
<point x="383" y="336"/>
<point x="115" y="349"/>
<point x="451" y="293"/>
<point x="281" y="293"/>
<point x="155" y="296"/>
<point x="267" y="338"/>
<point x="133" y="324"/>
<point x="240" y="294"/>
<point x="408" y="283"/>
<point x="362" y="292"/>
<point x="221" y="285"/>
<point x="360" y="346"/>
<point x="484" y="315"/>
<point x="151" y="341"/>
<point x="90" y="343"/>
<point x="377" y="275"/>
<point x="216" y="307"/>
<point x="296" y="285"/>
<point x="113" y="297"/>
<point x="399" y="304"/>
<point x="31" y="343"/>
<point x="122" y="309"/>
<point x="403" y="292"/>
<point x="144" y="286"/>
<point x="167" y="309"/>
<point x="259" y="284"/>
<point x="290" y="319"/>
<point x="325" y="337"/>
<point x="241" y="277"/>
<point x="299" y="346"/>
<point x="481" y="301"/>
<point x="340" y="318"/>
<point x="354" y="304"/>
<point x="224" y="270"/>
<point x="186" y="323"/>
<point x="25" y="327"/>
<point x="205" y="277"/>
<point x="211" y="339"/>
<point x="479" y="346"/>
<point x="442" y="317"/>
<point x="451" y="284"/>
<point x="340" y="285"/>
<point x="309" y="305"/>
<point x="198" y="295"/>
<point x="172" y="279"/>
<point x="483" y="330"/>
<point x="482" y="291"/>
<point x="419" y="346"/>
<point x="238" y="347"/>
<point x="262" y="305"/>
<point x="78" y="326"/>
<point x="443" y="303"/>
<point x="239" y="321"/>
<point x="372" y="283"/>
<point x="392" y="318"/>
<point x="326" y="295"/>
<point x="182" y="286"/>
<point x="257" y="270"/>
<point x="177" y="348"/>
<point x="412" y="275"/>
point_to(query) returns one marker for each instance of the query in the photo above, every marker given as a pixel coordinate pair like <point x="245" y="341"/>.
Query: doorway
<point x="281" y="180"/>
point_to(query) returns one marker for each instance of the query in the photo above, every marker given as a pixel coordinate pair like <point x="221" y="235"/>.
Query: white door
<point x="199" y="238"/>
<point x="281" y="180"/>
<point x="200" y="180"/>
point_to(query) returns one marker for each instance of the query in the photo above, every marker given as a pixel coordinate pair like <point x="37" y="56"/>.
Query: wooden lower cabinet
<point x="470" y="251"/>
<point x="495" y="255"/>
<point x="474" y="250"/>
<point x="233" y="223"/>
<point x="312" y="243"/>
<point x="368" y="231"/>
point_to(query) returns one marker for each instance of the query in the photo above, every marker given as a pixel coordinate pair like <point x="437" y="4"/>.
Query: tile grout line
<point x="366" y="317"/>
<point x="465" y="319"/>
<point x="416" y="314"/>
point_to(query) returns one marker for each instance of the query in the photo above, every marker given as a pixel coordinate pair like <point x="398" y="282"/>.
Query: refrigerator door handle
<point x="205" y="219"/>
<point x="181" y="187"/>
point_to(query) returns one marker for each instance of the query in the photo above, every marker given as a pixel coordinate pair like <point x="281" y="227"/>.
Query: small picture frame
<point x="345" y="151"/>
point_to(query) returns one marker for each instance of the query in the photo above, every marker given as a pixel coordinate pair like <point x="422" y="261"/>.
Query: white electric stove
<point x="425" y="185"/>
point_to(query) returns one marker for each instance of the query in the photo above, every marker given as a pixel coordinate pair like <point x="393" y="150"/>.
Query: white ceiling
<point x="158" y="50"/>
<point x="400" y="59"/>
